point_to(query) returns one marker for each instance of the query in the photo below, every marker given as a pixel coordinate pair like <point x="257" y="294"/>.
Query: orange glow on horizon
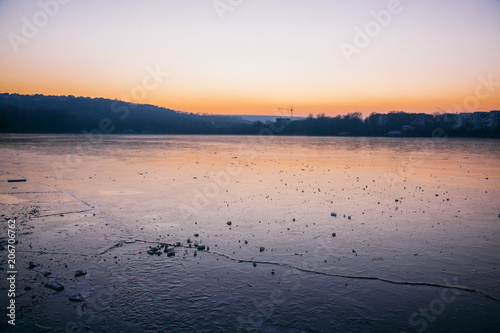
<point x="255" y="63"/>
<point x="225" y="105"/>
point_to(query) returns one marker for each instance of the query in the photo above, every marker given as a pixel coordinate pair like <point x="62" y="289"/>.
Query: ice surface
<point x="421" y="211"/>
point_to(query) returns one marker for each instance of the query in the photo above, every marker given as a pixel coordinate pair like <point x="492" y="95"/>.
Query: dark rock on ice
<point x="170" y="251"/>
<point x="80" y="272"/>
<point x="54" y="285"/>
<point x="76" y="297"/>
<point x="32" y="265"/>
<point x="157" y="249"/>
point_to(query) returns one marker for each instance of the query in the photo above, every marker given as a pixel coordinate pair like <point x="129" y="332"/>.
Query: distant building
<point x="394" y="133"/>
<point x="494" y="121"/>
<point x="282" y="120"/>
<point x="481" y="119"/>
<point x="450" y="119"/>
<point x="465" y="119"/>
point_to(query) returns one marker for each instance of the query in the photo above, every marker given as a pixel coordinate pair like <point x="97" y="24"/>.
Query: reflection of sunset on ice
<point x="149" y="223"/>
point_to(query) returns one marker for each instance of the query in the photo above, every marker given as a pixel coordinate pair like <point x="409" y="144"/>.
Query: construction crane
<point x="288" y="109"/>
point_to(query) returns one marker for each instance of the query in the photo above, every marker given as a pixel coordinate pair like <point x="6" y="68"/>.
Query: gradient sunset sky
<point x="253" y="56"/>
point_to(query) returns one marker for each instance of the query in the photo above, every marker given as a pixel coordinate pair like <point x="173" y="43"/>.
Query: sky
<point x="256" y="56"/>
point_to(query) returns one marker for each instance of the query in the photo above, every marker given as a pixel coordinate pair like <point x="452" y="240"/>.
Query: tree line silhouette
<point x="68" y="114"/>
<point x="395" y="123"/>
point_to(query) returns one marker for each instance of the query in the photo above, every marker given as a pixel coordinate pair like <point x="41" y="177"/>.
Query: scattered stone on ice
<point x="334" y="234"/>
<point x="54" y="285"/>
<point x="201" y="247"/>
<point x="76" y="297"/>
<point x="80" y="272"/>
<point x="262" y="249"/>
<point x="229" y="223"/>
<point x="32" y="265"/>
<point x="170" y="251"/>
<point x="333" y="214"/>
<point x="47" y="273"/>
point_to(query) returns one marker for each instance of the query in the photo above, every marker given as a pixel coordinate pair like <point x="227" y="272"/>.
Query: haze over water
<point x="422" y="211"/>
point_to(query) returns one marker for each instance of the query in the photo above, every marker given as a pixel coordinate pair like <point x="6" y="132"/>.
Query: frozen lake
<point x="416" y="245"/>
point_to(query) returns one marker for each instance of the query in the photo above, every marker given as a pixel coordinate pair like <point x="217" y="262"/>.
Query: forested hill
<point x="69" y="114"/>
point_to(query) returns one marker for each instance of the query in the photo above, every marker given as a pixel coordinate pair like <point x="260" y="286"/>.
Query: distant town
<point x="69" y="114"/>
<point x="479" y="121"/>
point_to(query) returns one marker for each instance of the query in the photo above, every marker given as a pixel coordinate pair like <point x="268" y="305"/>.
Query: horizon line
<point x="440" y="111"/>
